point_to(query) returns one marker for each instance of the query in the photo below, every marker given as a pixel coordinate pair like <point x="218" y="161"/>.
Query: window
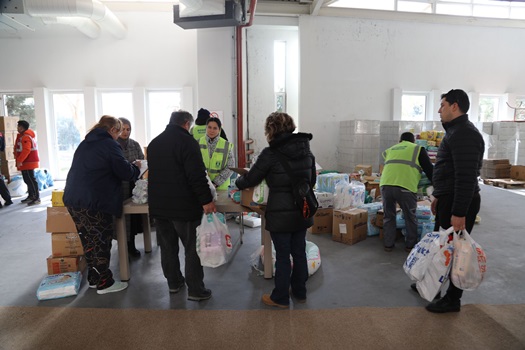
<point x="476" y="8"/>
<point x="160" y="106"/>
<point x="69" y="117"/>
<point x="21" y="106"/>
<point x="413" y="106"/>
<point x="117" y="104"/>
<point x="492" y="108"/>
<point x="279" y="75"/>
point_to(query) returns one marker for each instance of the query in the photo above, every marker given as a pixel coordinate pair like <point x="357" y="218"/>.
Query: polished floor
<point x="350" y="276"/>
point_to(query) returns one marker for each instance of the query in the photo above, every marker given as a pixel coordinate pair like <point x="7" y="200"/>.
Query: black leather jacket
<point x="458" y="164"/>
<point x="177" y="184"/>
<point x="281" y="213"/>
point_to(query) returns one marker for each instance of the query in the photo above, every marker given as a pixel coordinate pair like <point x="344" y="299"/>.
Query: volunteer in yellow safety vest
<point x="399" y="181"/>
<point x="217" y="154"/>
<point x="199" y="129"/>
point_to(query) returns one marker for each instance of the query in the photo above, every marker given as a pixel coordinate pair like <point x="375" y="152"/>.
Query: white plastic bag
<point x="214" y="242"/>
<point x="140" y="192"/>
<point x="469" y="264"/>
<point x="212" y="188"/>
<point x="421" y="256"/>
<point x="437" y="273"/>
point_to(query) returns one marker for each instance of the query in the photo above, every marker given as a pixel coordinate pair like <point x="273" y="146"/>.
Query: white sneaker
<point x="116" y="287"/>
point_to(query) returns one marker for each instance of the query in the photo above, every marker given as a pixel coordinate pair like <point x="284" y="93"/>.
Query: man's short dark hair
<point x="457" y="96"/>
<point x="180" y="117"/>
<point x="407" y="136"/>
<point x="23" y="124"/>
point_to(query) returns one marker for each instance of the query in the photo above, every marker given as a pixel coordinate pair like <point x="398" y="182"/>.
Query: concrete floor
<point x="358" y="275"/>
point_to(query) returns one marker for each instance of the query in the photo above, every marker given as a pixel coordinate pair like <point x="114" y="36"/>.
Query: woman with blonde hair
<point x="93" y="195"/>
<point x="284" y="220"/>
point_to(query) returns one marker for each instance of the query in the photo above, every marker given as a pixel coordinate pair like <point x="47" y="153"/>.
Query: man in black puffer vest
<point x="455" y="179"/>
<point x="178" y="194"/>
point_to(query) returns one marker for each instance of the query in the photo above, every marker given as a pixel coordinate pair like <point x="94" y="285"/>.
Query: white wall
<point x="155" y="54"/>
<point x="350" y="66"/>
<point x="260" y="82"/>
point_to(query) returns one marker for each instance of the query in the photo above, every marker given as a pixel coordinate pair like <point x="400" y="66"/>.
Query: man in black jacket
<point x="455" y="179"/>
<point x="4" y="192"/>
<point x="178" y="194"/>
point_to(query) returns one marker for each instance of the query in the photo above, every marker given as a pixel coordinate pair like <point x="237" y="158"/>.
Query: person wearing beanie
<point x="217" y="154"/>
<point x="26" y="155"/>
<point x="199" y="129"/>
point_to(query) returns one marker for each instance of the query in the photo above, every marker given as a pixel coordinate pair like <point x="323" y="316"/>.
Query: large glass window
<point x="118" y="104"/>
<point x="21" y="106"/>
<point x="69" y="116"/>
<point x="413" y="106"/>
<point x="475" y="8"/>
<point x="279" y="75"/>
<point x="489" y="108"/>
<point x="160" y="105"/>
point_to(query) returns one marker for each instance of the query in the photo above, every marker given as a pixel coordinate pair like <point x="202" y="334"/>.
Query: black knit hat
<point x="203" y="113"/>
<point x="23" y="124"/>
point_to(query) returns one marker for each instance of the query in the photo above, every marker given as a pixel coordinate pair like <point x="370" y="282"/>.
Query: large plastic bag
<point x="437" y="273"/>
<point x="469" y="264"/>
<point x="417" y="262"/>
<point x="214" y="243"/>
<point x="140" y="192"/>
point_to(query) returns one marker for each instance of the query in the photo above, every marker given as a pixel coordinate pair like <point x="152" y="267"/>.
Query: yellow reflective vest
<point x="402" y="166"/>
<point x="198" y="131"/>
<point x="218" y="160"/>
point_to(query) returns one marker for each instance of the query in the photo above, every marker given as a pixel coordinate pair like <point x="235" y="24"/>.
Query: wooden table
<point x="223" y="205"/>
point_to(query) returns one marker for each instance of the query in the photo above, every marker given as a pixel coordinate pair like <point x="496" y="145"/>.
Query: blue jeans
<point x="408" y="202"/>
<point x="286" y="244"/>
<point x="168" y="233"/>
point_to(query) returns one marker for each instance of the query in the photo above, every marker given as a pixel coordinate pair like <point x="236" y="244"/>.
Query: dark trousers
<point x="96" y="231"/>
<point x="286" y="244"/>
<point x="168" y="233"/>
<point x="4" y="192"/>
<point x="408" y="202"/>
<point x="443" y="216"/>
<point x="32" y="185"/>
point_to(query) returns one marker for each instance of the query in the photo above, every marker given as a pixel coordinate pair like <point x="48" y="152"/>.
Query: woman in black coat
<point x="93" y="195"/>
<point x="283" y="218"/>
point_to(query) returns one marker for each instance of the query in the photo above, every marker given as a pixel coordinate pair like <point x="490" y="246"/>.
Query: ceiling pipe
<point x="241" y="149"/>
<point x="91" y="9"/>
<point x="84" y="25"/>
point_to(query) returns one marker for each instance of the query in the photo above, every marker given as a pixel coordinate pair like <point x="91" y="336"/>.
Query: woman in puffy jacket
<point x="284" y="220"/>
<point x="93" y="195"/>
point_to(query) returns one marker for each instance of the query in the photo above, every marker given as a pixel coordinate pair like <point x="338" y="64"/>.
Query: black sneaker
<point x="414" y="288"/>
<point x="444" y="305"/>
<point x="8" y="203"/>
<point x="28" y="199"/>
<point x="34" y="202"/>
<point x="204" y="295"/>
<point x="178" y="288"/>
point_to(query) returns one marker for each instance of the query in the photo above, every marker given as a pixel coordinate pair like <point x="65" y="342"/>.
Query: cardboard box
<point x="66" y="244"/>
<point x="65" y="264"/>
<point x="323" y="220"/>
<point x="365" y="167"/>
<point x="247" y="197"/>
<point x="9" y="166"/>
<point x="517" y="172"/>
<point x="371" y="185"/>
<point x="59" y="220"/>
<point x="57" y="198"/>
<point x="8" y="123"/>
<point x="350" y="226"/>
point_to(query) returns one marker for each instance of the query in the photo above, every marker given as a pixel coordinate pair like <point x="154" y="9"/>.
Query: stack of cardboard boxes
<point x="67" y="254"/>
<point x="8" y="128"/>
<point x="495" y="169"/>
